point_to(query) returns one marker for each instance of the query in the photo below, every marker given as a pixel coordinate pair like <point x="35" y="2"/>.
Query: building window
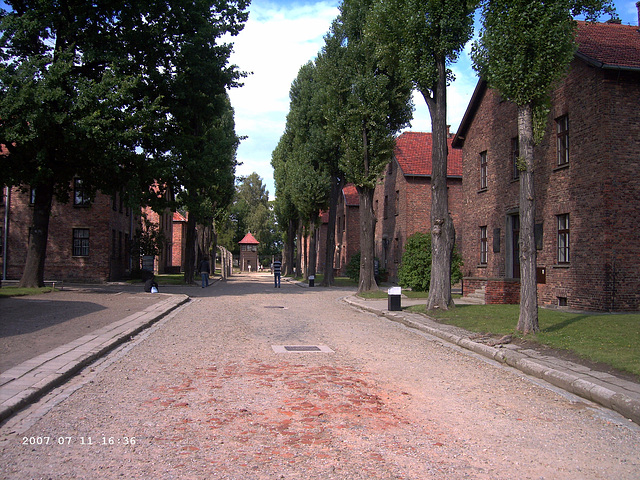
<point x="32" y="196"/>
<point x="390" y="169"/>
<point x="484" y="246"/>
<point x="515" y="153"/>
<point x="386" y="206"/>
<point x="562" y="127"/>
<point x="563" y="238"/>
<point x="397" y="202"/>
<point x="80" y="242"/>
<point x="483" y="170"/>
<point x="80" y="197"/>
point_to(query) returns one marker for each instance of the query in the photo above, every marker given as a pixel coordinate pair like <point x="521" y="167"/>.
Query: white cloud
<point x="276" y="41"/>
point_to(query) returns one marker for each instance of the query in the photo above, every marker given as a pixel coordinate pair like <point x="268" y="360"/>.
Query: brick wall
<point x="599" y="189"/>
<point x="110" y="234"/>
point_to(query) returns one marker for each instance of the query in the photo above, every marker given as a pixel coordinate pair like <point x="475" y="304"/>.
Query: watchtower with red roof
<point x="248" y="253"/>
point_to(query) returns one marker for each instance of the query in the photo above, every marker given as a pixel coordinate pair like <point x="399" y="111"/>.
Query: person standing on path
<point x="204" y="271"/>
<point x="277" y="266"/>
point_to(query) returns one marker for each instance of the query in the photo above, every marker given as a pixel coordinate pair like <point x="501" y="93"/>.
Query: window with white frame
<point x="483" y="170"/>
<point x="484" y="246"/>
<point x="562" y="129"/>
<point x="80" y="242"/>
<point x="563" y="239"/>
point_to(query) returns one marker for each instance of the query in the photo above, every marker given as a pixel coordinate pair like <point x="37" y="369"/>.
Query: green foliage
<point x="353" y="267"/>
<point x="148" y="239"/>
<point x="526" y="45"/>
<point x="415" y="268"/>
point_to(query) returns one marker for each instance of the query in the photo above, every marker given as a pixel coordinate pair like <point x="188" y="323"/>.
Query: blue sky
<point x="278" y="39"/>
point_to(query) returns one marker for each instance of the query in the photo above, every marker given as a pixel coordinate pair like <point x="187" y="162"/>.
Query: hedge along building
<point x="402" y="199"/>
<point x="248" y="253"/>
<point x="587" y="183"/>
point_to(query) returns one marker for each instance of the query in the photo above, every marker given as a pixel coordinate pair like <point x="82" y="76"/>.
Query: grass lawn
<point x="613" y="339"/>
<point x="407" y="293"/>
<point x="12" y="291"/>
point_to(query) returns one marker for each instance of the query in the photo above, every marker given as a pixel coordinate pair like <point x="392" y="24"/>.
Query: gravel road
<point x="204" y="394"/>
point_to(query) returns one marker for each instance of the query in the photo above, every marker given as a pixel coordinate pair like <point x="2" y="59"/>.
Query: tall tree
<point x="70" y="108"/>
<point x="427" y="36"/>
<point x="377" y="105"/>
<point x="83" y="89"/>
<point x="285" y="209"/>
<point x="308" y="180"/>
<point x="525" y="46"/>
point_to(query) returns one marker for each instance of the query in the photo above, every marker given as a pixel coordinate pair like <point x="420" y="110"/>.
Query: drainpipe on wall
<point x="5" y="232"/>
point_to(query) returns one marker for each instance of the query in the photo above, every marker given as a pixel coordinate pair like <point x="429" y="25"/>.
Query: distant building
<point x="587" y="183"/>
<point x="248" y="253"/>
<point x="347" y="228"/>
<point x="402" y="199"/>
<point x="89" y="238"/>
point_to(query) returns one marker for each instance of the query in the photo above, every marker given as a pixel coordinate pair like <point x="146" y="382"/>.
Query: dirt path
<point x="205" y="395"/>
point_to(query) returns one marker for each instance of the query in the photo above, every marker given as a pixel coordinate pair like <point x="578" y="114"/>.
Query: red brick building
<point x="89" y="238"/>
<point x="347" y="228"/>
<point x="402" y="200"/>
<point x="162" y="263"/>
<point x="587" y="183"/>
<point x="178" y="241"/>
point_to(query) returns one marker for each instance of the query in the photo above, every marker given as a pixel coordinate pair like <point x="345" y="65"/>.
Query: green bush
<point x="353" y="267"/>
<point x="415" y="268"/>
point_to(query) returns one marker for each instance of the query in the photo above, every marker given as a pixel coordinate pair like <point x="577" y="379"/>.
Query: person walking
<point x="277" y="267"/>
<point x="204" y="271"/>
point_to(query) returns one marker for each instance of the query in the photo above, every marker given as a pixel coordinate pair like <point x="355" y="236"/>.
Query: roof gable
<point x="249" y="239"/>
<point x="609" y="45"/>
<point x="413" y="154"/>
<point x="351" y="197"/>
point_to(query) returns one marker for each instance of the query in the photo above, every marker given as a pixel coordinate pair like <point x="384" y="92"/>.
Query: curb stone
<point x="29" y="381"/>
<point x="624" y="404"/>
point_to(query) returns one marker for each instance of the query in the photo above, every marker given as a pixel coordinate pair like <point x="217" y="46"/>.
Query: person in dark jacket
<point x="204" y="271"/>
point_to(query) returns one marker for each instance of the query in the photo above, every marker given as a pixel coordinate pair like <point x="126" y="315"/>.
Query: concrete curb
<point x="29" y="381"/>
<point x="625" y="405"/>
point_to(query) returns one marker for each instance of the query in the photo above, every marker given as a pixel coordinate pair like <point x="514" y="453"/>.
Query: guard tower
<point x="248" y="253"/>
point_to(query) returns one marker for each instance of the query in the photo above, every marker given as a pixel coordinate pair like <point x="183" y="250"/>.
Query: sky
<point x="281" y="36"/>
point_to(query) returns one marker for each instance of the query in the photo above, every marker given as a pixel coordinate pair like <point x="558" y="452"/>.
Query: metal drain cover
<point x="273" y="306"/>
<point x="301" y="348"/>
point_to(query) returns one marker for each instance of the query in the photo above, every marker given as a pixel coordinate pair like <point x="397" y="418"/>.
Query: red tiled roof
<point x="413" y="154"/>
<point x="351" y="197"/>
<point x="249" y="239"/>
<point x="609" y="45"/>
<point x="178" y="217"/>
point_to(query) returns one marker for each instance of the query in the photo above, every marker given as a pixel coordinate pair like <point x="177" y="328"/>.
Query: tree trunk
<point x="528" y="320"/>
<point x="190" y="250"/>
<point x="367" y="241"/>
<point x="313" y="255"/>
<point x="305" y="253"/>
<point x="329" y="254"/>
<point x="289" y="250"/>
<point x="299" y="249"/>
<point x="442" y="229"/>
<point x="33" y="274"/>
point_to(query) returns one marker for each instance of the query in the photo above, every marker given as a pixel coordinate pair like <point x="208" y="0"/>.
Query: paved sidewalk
<point x="615" y="393"/>
<point x="26" y="382"/>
